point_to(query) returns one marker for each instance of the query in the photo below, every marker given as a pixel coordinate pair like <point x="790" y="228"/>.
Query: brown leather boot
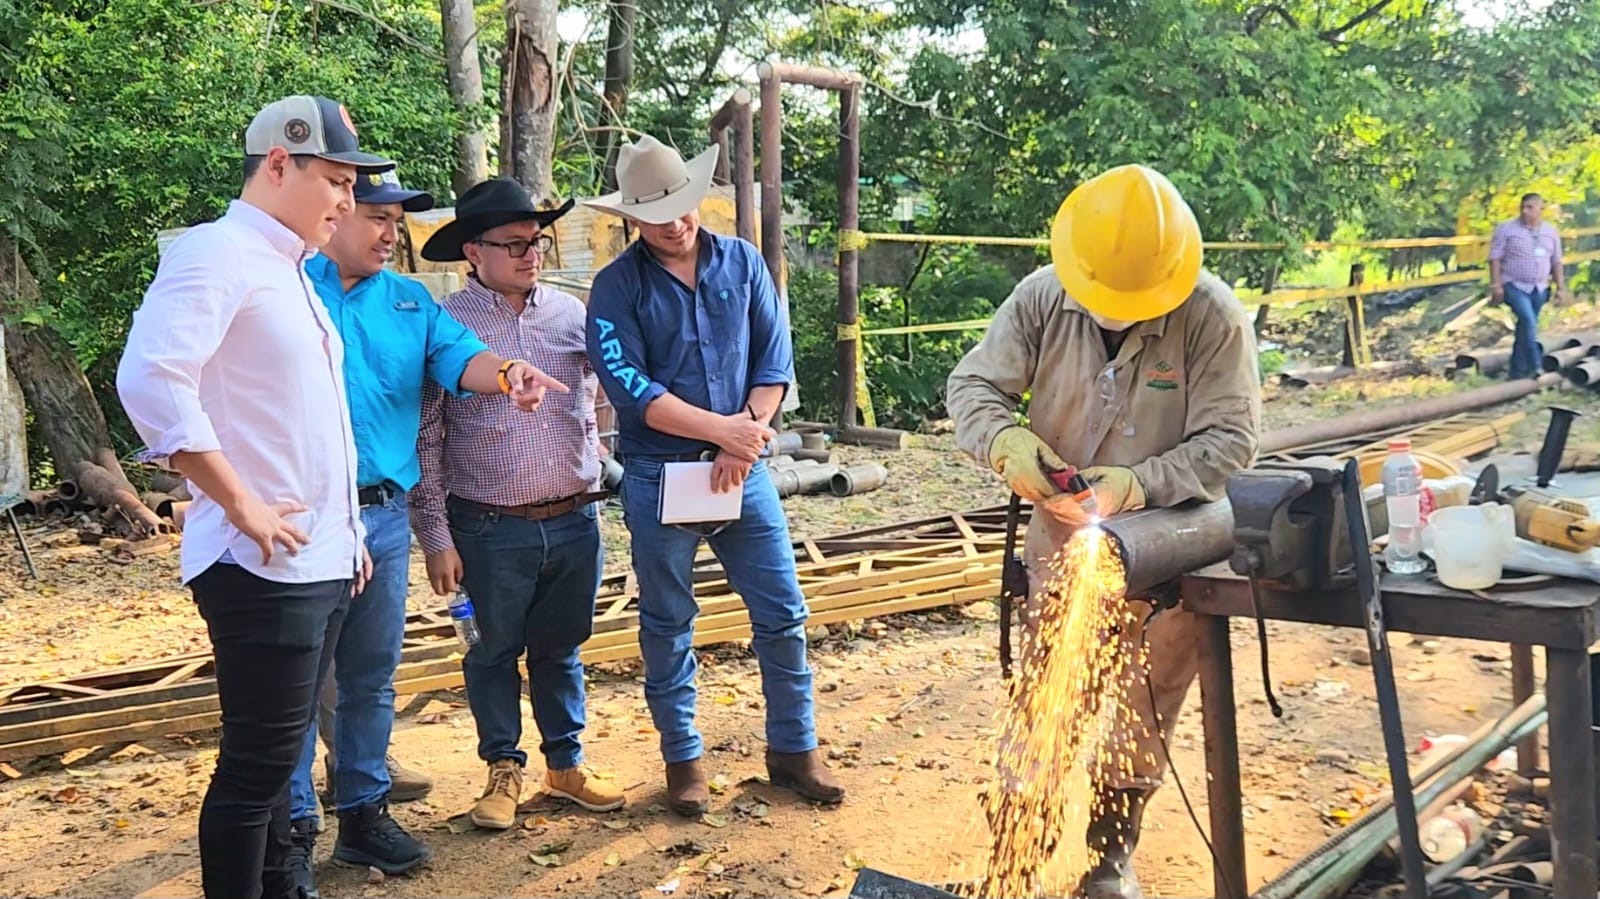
<point x="688" y="791"/>
<point x="1114" y="833"/>
<point x="806" y="774"/>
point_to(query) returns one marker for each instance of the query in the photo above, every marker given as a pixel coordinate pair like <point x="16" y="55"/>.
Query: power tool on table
<point x="1541" y="515"/>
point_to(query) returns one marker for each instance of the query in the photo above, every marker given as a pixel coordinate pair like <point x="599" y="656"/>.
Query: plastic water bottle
<point x="1402" y="497"/>
<point x="464" y="618"/>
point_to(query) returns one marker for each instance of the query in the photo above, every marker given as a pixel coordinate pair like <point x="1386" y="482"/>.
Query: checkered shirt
<point x="481" y="447"/>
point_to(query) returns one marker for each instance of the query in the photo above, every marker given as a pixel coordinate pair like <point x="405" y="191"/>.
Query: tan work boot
<point x="497" y="807"/>
<point x="406" y="784"/>
<point x="806" y="774"/>
<point x="688" y="791"/>
<point x="584" y="787"/>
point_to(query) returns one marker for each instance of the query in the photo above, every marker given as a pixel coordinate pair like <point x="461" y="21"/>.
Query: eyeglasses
<point x="517" y="249"/>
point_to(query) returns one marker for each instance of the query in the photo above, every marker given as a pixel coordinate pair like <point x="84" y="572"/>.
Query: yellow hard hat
<point x="1126" y="246"/>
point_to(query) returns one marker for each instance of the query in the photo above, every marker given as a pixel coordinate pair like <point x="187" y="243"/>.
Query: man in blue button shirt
<point x="692" y="348"/>
<point x="395" y="335"/>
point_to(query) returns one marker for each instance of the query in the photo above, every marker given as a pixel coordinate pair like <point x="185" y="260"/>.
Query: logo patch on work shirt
<point x="631" y="378"/>
<point x="1161" y="376"/>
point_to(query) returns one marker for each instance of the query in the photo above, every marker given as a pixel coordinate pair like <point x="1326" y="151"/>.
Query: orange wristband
<point x="505" y="384"/>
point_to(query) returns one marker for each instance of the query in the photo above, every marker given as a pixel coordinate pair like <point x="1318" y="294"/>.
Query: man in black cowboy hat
<point x="506" y="509"/>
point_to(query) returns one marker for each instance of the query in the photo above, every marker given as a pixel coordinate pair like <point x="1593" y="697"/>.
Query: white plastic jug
<point x="1469" y="544"/>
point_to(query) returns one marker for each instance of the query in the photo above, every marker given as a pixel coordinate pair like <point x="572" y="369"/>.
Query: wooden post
<point x="737" y="168"/>
<point x="744" y="171"/>
<point x="849" y="329"/>
<point x="1355" y="338"/>
<point x="772" y="170"/>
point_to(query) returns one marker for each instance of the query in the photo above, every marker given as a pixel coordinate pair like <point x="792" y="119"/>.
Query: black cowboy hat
<point x="496" y="202"/>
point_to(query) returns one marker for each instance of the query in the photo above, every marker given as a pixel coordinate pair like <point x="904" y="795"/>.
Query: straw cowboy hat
<point x="486" y="206"/>
<point x="655" y="184"/>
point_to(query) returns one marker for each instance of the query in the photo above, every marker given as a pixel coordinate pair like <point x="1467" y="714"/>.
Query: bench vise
<point x="1289" y="525"/>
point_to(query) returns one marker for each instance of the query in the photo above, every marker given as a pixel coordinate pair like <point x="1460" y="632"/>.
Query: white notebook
<point x="686" y="495"/>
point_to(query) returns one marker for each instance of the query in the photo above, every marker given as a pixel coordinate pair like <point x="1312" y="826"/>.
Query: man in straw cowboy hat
<point x="1142" y="368"/>
<point x="693" y="350"/>
<point x="506" y="509"/>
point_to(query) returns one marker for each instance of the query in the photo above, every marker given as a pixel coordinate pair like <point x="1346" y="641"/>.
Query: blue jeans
<point x="1525" y="350"/>
<point x="758" y="557"/>
<point x="364" y="661"/>
<point x="533" y="586"/>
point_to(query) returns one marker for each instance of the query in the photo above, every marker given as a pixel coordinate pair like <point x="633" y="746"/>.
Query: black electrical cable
<point x="1161" y="734"/>
<point x="1261" y="640"/>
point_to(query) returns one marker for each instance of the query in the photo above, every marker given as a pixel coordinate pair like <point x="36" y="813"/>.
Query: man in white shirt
<point x="233" y="371"/>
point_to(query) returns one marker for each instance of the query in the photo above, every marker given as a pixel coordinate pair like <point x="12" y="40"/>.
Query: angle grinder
<point x="1071" y="481"/>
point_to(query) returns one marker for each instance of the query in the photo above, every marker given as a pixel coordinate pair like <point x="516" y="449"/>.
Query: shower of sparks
<point x="1053" y="746"/>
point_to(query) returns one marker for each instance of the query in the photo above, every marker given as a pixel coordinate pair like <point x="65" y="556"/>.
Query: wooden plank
<point x="897" y="561"/>
<point x="183" y="672"/>
<point x="445" y="674"/>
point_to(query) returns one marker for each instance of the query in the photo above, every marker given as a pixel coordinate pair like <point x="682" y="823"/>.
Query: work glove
<point x="1116" y="489"/>
<point x="1018" y="455"/>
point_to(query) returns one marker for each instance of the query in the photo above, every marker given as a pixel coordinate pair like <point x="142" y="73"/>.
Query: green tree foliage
<point x="1281" y="122"/>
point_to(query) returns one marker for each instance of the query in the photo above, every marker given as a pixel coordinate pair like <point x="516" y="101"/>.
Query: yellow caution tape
<point x="845" y="333"/>
<point x="855" y="240"/>
<point x="852" y="240"/>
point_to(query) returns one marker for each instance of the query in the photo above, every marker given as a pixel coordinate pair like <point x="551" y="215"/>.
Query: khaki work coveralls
<point x="1180" y="404"/>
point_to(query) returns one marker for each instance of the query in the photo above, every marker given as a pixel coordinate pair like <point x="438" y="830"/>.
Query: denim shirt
<point x="709" y="346"/>
<point x="394" y="335"/>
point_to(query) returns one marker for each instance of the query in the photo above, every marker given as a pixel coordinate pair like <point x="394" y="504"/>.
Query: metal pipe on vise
<point x="1160" y="545"/>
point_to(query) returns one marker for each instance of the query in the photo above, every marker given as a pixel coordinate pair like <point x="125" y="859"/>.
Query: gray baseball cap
<point x="309" y="126"/>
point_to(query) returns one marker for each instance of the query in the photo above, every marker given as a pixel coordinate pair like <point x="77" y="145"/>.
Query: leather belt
<point x="536" y="511"/>
<point x="377" y="494"/>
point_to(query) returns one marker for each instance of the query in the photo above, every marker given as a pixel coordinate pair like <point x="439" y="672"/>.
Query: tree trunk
<point x="47" y="369"/>
<point x="619" y="72"/>
<point x="465" y="77"/>
<point x="13" y="431"/>
<point x="528" y="77"/>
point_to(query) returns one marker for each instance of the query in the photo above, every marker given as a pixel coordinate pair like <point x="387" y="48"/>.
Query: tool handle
<point x="1585" y="533"/>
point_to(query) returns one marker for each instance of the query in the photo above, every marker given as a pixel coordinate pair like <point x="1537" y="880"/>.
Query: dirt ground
<point x="904" y="707"/>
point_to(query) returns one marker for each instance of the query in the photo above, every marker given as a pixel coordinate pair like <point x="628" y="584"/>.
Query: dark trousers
<point x="272" y="643"/>
<point x="533" y="586"/>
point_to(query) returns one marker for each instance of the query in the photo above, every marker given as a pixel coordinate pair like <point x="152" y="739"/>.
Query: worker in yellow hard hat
<point x="1142" y="371"/>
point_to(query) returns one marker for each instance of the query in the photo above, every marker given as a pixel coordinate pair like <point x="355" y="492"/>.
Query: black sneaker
<point x="302" y="883"/>
<point x="368" y="837"/>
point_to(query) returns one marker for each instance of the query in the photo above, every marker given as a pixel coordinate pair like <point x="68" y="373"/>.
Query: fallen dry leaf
<point x="854" y="861"/>
<point x="719" y="784"/>
<point x="555" y="848"/>
<point x="611" y="824"/>
<point x="711" y="820"/>
<point x="794" y="883"/>
<point x="545" y="861"/>
<point x="613" y="860"/>
<point x="460" y="824"/>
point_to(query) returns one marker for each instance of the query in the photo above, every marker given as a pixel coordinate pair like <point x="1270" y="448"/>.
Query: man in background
<point x="395" y="335"/>
<point x="1524" y="259"/>
<point x="506" y="507"/>
<point x="232" y="371"/>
